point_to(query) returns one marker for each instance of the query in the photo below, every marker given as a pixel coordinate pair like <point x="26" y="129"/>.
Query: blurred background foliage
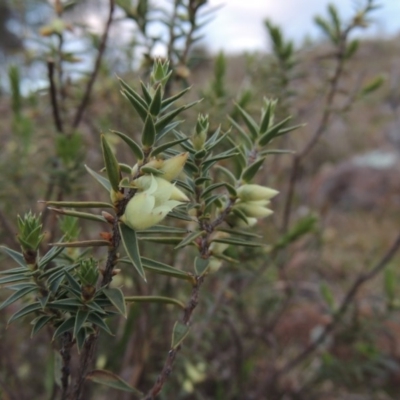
<point x="257" y="316"/>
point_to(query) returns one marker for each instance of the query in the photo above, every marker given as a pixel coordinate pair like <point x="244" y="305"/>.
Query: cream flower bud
<point x="214" y="265"/>
<point x="218" y="248"/>
<point x="252" y="192"/>
<point x="253" y="210"/>
<point x="174" y="166"/>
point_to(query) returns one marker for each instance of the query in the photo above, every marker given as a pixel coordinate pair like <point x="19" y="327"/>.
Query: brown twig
<point x="65" y="351"/>
<point x="85" y="100"/>
<point x="346" y="302"/>
<point x="53" y="96"/>
<point x="322" y="126"/>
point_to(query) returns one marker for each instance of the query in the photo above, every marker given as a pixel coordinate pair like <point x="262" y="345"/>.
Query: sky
<point x="238" y="25"/>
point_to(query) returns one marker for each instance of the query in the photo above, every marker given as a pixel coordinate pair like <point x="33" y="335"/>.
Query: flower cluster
<point x="156" y="195"/>
<point x="253" y="202"/>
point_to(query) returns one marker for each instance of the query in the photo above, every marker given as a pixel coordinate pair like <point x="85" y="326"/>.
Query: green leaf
<point x="201" y="265"/>
<point x="170" y="127"/>
<point x="73" y="282"/>
<point x="273" y="131"/>
<point x="18" y="257"/>
<point x="162" y="239"/>
<point x="149" y="132"/>
<point x="111" y="164"/>
<point x="170" y="100"/>
<point x="98" y="320"/>
<point x="249" y="121"/>
<point x="103" y="181"/>
<point x="165" y="146"/>
<point x="16" y="271"/>
<point x="25" y="311"/>
<point x="146" y="94"/>
<point x="327" y="295"/>
<point x="165" y="269"/>
<point x="155" y="105"/>
<point x="109" y="379"/>
<point x="39" y="323"/>
<point x="243" y="134"/>
<point x="249" y="173"/>
<point x="390" y="284"/>
<point x="180" y="215"/>
<point x="50" y="256"/>
<point x="179" y="333"/>
<point x="80" y="319"/>
<point x="79" y="204"/>
<point x="236" y="232"/>
<point x="13" y="278"/>
<point x="136" y="149"/>
<point x="132" y="92"/>
<point x="373" y="85"/>
<point x="83" y="243"/>
<point x="80" y="339"/>
<point x="210" y="188"/>
<point x="17" y="295"/>
<point x="135" y="100"/>
<point x="238" y="242"/>
<point x="66" y="326"/>
<point x="267" y="116"/>
<point x="131" y="246"/>
<point x="167" y="118"/>
<point x="163" y="229"/>
<point x="227" y="174"/>
<point x="117" y="299"/>
<point x="267" y="152"/>
<point x="189" y="239"/>
<point x="155" y="299"/>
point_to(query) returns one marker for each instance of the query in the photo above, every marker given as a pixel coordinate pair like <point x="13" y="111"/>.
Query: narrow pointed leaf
<point x="15" y="271"/>
<point x="25" y="311"/>
<point x="210" y="188"/>
<point x="13" y="278"/>
<point x="154" y="299"/>
<point x="109" y="379"/>
<point x="179" y="333"/>
<point x="155" y="105"/>
<point x="39" y="323"/>
<point x="136" y="103"/>
<point x="97" y="320"/>
<point x="149" y="132"/>
<point x="189" y="239"/>
<point x="83" y="243"/>
<point x="173" y="240"/>
<point x="146" y="94"/>
<point x="201" y="265"/>
<point x="79" y="204"/>
<point x="266" y="118"/>
<point x="165" y="146"/>
<point x="132" y="92"/>
<point x="249" y="173"/>
<point x="228" y="174"/>
<point x="50" y="256"/>
<point x="103" y="181"/>
<point x="164" y="269"/>
<point x="238" y="242"/>
<point x="66" y="326"/>
<point x="136" y="149"/>
<point x="17" y="295"/>
<point x="80" y="319"/>
<point x="131" y="246"/>
<point x="18" y="257"/>
<point x="111" y="164"/>
<point x="243" y="134"/>
<point x="249" y="121"/>
<point x="73" y="282"/>
<point x="273" y="131"/>
<point x="240" y="233"/>
<point x="170" y="100"/>
<point x="117" y="299"/>
<point x="163" y="229"/>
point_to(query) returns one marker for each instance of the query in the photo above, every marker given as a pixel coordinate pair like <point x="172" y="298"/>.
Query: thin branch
<point x="346" y="302"/>
<point x="53" y="96"/>
<point x="85" y="100"/>
<point x="65" y="351"/>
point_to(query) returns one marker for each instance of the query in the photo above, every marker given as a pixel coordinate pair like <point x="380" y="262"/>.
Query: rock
<point x="365" y="182"/>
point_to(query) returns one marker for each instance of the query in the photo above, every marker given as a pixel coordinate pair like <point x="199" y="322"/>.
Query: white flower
<point x="253" y="192"/>
<point x="151" y="205"/>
